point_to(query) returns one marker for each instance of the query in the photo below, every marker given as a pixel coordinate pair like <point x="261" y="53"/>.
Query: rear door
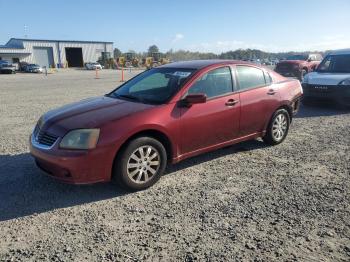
<point x="213" y="122"/>
<point x="258" y="98"/>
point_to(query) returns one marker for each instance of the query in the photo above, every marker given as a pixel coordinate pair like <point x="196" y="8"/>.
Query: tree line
<point x="239" y="54"/>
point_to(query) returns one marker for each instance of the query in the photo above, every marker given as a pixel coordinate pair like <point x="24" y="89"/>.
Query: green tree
<point x="153" y="49"/>
<point x="117" y="53"/>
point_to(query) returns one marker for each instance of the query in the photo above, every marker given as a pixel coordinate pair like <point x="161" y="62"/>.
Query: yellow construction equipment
<point x="148" y="62"/>
<point x="121" y="61"/>
<point x="131" y="60"/>
<point x="155" y="59"/>
<point x="135" y="62"/>
<point x="164" y="60"/>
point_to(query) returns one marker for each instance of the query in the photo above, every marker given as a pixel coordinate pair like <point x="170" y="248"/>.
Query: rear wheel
<point x="278" y="127"/>
<point x="302" y="74"/>
<point x="140" y="164"/>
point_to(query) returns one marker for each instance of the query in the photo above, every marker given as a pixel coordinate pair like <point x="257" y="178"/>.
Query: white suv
<point x="331" y="79"/>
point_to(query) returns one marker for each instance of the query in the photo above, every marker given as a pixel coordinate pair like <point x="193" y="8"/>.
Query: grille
<point x="320" y="89"/>
<point x="44" y="138"/>
<point x="284" y="67"/>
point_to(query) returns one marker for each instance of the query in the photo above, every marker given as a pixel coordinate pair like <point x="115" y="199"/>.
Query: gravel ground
<point x="245" y="202"/>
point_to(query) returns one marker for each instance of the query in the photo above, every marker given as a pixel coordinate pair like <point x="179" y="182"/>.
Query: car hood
<point x="316" y="78"/>
<point x="88" y="113"/>
<point x="291" y="62"/>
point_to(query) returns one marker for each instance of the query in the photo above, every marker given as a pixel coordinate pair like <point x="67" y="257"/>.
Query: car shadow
<point x="25" y="190"/>
<point x="318" y="109"/>
<point x="240" y="147"/>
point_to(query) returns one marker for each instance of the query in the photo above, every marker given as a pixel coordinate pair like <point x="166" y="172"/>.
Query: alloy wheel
<point x="279" y="127"/>
<point x="143" y="164"/>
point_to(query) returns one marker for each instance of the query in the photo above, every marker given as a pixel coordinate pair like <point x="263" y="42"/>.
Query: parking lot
<point x="245" y="202"/>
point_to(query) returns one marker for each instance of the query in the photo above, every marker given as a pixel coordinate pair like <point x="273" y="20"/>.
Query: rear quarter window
<point x="250" y="77"/>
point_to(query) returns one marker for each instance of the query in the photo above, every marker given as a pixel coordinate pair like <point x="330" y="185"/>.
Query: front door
<point x="213" y="122"/>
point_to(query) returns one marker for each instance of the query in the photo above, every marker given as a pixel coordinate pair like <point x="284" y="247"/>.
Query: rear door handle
<point x="231" y="102"/>
<point x="271" y="92"/>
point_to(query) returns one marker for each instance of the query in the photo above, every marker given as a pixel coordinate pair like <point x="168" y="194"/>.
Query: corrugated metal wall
<point x="91" y="51"/>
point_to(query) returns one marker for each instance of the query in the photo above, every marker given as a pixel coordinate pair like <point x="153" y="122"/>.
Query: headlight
<point x="345" y="82"/>
<point x="80" y="139"/>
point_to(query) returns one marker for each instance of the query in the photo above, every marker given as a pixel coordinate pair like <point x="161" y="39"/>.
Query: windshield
<point x="335" y="64"/>
<point x="154" y="86"/>
<point x="297" y="57"/>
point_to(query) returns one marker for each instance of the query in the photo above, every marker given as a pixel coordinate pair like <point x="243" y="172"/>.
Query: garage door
<point x="43" y="56"/>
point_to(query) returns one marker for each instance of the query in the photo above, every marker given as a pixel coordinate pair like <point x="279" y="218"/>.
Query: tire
<point x="302" y="74"/>
<point x="278" y="127"/>
<point x="133" y="173"/>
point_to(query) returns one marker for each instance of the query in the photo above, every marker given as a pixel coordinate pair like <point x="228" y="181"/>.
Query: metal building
<point x="55" y="53"/>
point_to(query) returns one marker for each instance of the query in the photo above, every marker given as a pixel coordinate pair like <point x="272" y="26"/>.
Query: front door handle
<point x="231" y="102"/>
<point x="271" y="92"/>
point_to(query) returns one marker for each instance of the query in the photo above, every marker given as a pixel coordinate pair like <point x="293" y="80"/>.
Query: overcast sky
<point x="197" y="25"/>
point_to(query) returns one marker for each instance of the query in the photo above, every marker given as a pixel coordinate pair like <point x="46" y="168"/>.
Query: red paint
<point x="191" y="130"/>
<point x="295" y="67"/>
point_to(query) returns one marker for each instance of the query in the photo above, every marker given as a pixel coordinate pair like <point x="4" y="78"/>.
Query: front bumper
<point x="7" y="70"/>
<point x="339" y="94"/>
<point x="35" y="70"/>
<point x="72" y="166"/>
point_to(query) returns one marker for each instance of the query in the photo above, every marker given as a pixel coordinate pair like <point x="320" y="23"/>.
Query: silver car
<point x="33" y="68"/>
<point x="6" y="67"/>
<point x="93" y="66"/>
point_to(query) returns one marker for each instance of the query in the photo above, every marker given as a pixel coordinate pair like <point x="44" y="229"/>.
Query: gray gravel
<point x="245" y="202"/>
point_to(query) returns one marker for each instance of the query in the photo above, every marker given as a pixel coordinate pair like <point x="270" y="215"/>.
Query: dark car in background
<point x="330" y="81"/>
<point x="6" y="67"/>
<point x="298" y="65"/>
<point x="164" y="115"/>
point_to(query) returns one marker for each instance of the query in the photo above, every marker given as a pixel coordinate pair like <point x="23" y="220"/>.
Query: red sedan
<point x="162" y="116"/>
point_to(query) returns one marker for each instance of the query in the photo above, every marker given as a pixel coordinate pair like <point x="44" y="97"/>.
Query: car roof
<point x="199" y="64"/>
<point x="340" y="52"/>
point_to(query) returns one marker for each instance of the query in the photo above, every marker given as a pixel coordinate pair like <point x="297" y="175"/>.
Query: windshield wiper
<point x="130" y="97"/>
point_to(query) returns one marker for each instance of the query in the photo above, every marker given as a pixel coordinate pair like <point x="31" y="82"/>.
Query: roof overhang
<point x="60" y="41"/>
<point x="14" y="53"/>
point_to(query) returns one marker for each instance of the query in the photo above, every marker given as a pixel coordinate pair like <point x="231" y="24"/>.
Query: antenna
<point x="25" y="31"/>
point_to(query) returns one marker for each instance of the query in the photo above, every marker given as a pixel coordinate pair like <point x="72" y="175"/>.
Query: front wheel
<point x="278" y="127"/>
<point x="140" y="164"/>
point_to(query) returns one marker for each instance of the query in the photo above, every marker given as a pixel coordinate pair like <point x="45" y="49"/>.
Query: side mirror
<point x="194" y="99"/>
